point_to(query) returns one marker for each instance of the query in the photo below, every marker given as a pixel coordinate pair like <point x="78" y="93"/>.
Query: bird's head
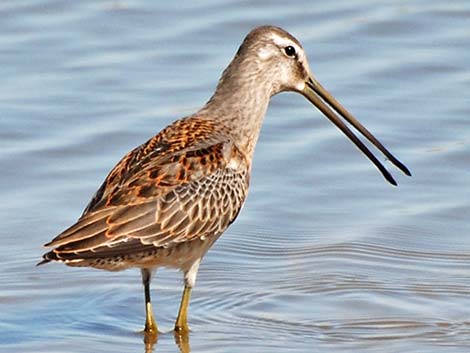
<point x="270" y="61"/>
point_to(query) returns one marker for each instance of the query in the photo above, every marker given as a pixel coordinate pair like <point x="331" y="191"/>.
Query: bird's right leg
<point x="150" y="323"/>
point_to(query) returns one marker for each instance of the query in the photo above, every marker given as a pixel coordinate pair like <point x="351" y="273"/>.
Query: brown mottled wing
<point x="183" y="135"/>
<point x="169" y="198"/>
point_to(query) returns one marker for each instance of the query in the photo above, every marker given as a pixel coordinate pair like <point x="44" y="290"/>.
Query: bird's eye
<point x="290" y="51"/>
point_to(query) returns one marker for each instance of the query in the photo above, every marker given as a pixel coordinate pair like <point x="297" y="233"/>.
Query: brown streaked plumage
<point x="167" y="201"/>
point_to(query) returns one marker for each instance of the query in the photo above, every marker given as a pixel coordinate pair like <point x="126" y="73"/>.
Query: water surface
<point x="325" y="256"/>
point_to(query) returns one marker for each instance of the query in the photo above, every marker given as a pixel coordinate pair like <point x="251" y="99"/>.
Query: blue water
<point x="325" y="256"/>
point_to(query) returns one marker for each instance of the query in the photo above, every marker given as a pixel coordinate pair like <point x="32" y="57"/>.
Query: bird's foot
<point x="182" y="329"/>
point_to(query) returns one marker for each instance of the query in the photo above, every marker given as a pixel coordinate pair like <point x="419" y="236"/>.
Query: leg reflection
<point x="150" y="340"/>
<point x="182" y="341"/>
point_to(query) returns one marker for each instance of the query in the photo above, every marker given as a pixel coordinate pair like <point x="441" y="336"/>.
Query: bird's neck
<point x="240" y="104"/>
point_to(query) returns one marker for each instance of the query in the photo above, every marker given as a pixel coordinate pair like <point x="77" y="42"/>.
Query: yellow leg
<point x="181" y="325"/>
<point x="150" y="324"/>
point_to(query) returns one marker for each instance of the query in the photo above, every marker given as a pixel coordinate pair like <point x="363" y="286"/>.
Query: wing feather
<point x="178" y="197"/>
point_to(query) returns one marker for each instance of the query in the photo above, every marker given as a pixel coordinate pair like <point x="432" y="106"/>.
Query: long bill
<point x="328" y="105"/>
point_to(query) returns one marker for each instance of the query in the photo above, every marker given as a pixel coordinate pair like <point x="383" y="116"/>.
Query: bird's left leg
<point x="181" y="325"/>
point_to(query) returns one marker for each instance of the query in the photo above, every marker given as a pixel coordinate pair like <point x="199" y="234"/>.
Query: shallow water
<point x="325" y="256"/>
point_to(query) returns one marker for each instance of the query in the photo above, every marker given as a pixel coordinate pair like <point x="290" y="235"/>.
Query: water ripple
<point x="324" y="257"/>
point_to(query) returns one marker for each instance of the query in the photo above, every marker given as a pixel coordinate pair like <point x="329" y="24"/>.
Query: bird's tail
<point x="47" y="257"/>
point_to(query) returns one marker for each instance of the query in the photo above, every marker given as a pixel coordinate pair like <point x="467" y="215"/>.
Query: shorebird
<point x="168" y="200"/>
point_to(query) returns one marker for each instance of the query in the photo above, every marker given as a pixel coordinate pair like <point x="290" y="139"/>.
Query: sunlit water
<point x="325" y="256"/>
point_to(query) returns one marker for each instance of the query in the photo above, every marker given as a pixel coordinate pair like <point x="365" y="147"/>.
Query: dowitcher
<point x="168" y="200"/>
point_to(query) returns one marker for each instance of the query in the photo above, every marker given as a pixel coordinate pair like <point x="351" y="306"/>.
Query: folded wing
<point x="159" y="199"/>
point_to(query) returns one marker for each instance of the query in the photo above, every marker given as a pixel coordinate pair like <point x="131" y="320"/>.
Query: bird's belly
<point x="180" y="256"/>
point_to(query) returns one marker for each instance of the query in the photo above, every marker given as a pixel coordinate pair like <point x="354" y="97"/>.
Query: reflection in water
<point x="181" y="341"/>
<point x="150" y="342"/>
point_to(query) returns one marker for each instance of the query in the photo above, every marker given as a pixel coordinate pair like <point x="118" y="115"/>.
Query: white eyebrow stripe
<point x="282" y="41"/>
